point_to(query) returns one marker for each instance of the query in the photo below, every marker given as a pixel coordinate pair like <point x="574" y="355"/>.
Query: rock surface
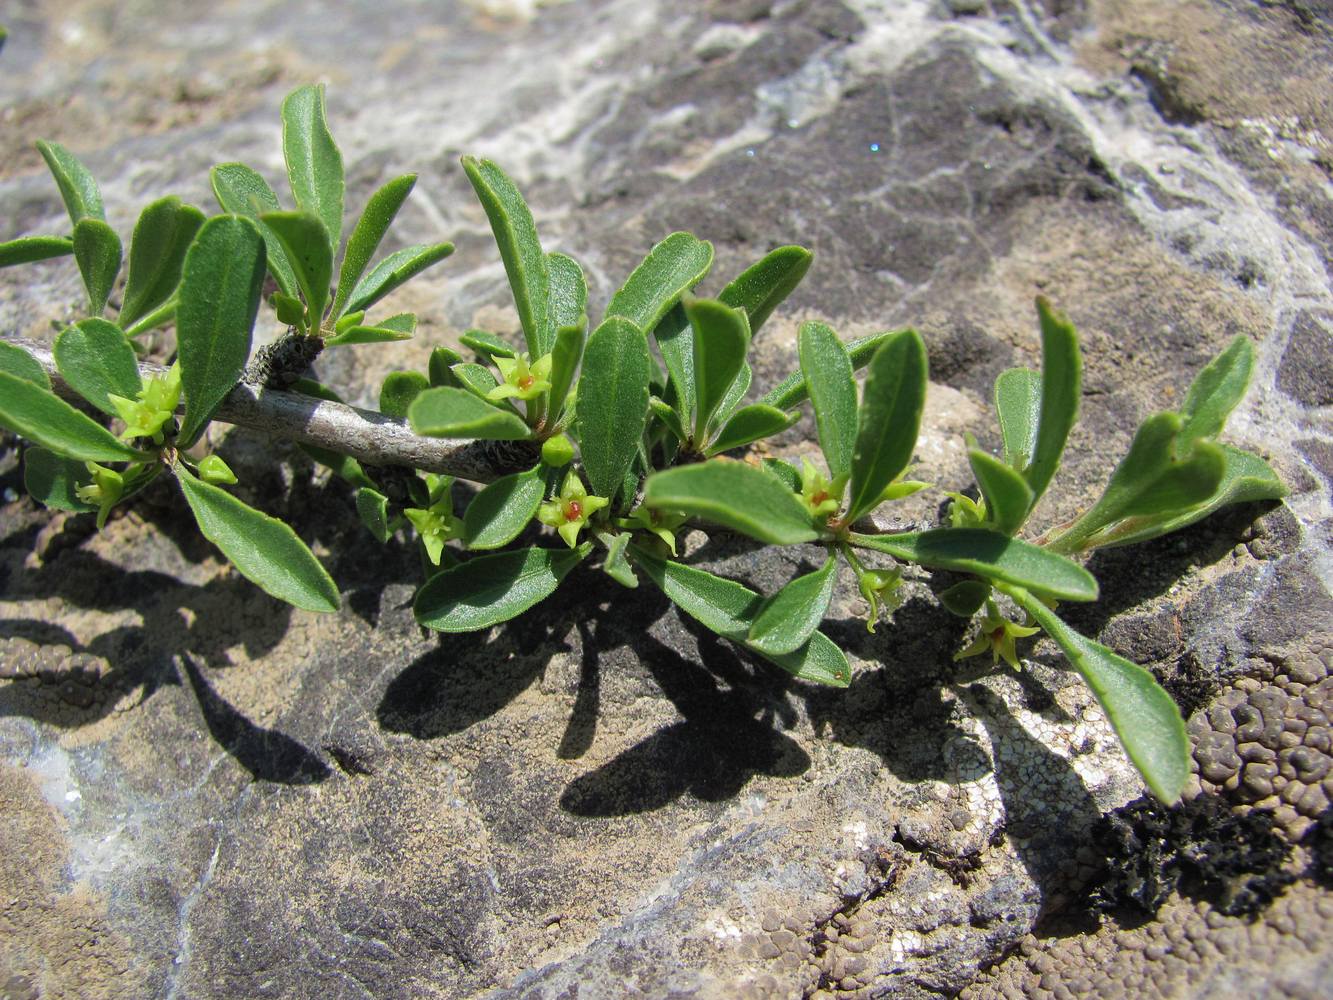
<point x="206" y="794"/>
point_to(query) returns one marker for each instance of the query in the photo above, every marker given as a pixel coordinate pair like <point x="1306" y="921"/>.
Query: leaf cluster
<point x="633" y="425"/>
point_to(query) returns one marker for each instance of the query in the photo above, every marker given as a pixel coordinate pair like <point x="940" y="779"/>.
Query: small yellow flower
<point x="997" y="635"/>
<point x="880" y="589"/>
<point x="661" y="523"/>
<point x="965" y="512"/>
<point x="107" y="487"/>
<point x="522" y="379"/>
<point x="147" y="415"/>
<point x="569" y="512"/>
<point x="821" y="496"/>
<point x="436" y="525"/>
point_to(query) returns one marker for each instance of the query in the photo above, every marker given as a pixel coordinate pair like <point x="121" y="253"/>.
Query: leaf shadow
<point x="267" y="754"/>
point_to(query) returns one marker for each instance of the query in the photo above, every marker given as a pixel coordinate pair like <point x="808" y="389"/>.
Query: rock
<point x="208" y="794"/>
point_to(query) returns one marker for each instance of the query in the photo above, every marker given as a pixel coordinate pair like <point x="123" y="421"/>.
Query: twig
<point x="369" y="437"/>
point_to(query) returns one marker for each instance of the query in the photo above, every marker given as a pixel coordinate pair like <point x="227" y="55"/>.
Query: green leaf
<point x="457" y="413"/>
<point x="395" y="328"/>
<point x="97" y="251"/>
<point x="441" y="360"/>
<point x="398" y="390"/>
<point x="366" y="235"/>
<point x="785" y="472"/>
<point x="785" y="621"/>
<point x="965" y="598"/>
<point x="394" y="271"/>
<point x="241" y="191"/>
<point x="675" y="340"/>
<point x="721" y="340"/>
<point x="520" y="249"/>
<point x="565" y="358"/>
<point x="728" y="608"/>
<point x="889" y="419"/>
<point x="1152" y="480"/>
<point x="1143" y="715"/>
<point x="1061" y="384"/>
<point x="762" y="286"/>
<point x="1247" y="478"/>
<point x="671" y="269"/>
<point x="612" y="402"/>
<point x="306" y="244"/>
<point x="736" y="496"/>
<point x="28" y="249"/>
<point x="19" y="363"/>
<point x="499" y="513"/>
<point x="988" y="554"/>
<point x="568" y="292"/>
<point x="665" y="413"/>
<point x="96" y="360"/>
<point x="372" y="507"/>
<point x="1216" y="390"/>
<point x="219" y="299"/>
<point x="490" y="589"/>
<point x="486" y="344"/>
<point x="828" y="376"/>
<point x="266" y="551"/>
<point x="792" y="390"/>
<point x="616" y="565"/>
<point x="749" y="424"/>
<point x="1008" y="496"/>
<point x="54" y="481"/>
<point x="78" y="190"/>
<point x="157" y="252"/>
<point x="314" y="165"/>
<point x="477" y="379"/>
<point x="33" y="412"/>
<point x="1018" y="404"/>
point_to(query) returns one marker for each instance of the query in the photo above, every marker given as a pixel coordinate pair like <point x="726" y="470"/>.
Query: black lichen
<point x="1199" y="848"/>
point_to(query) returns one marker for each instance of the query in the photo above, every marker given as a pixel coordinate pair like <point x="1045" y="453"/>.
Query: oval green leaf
<point x="1061" y="385"/>
<point x="991" y="555"/>
<point x="98" y="253"/>
<point x="32" y="412"/>
<point x="750" y="424"/>
<point x="96" y="360"/>
<point x="78" y="190"/>
<point x="1145" y="718"/>
<point x="721" y="341"/>
<point x="306" y="244"/>
<point x="314" y="165"/>
<point x="266" y="551"/>
<point x="395" y="270"/>
<point x="612" y="403"/>
<point x="499" y="513"/>
<point x="54" y="481"/>
<point x="1018" y="405"/>
<point x="19" y="363"/>
<point x="219" y="298"/>
<point x="1008" y="496"/>
<point x="792" y="390"/>
<point x="28" y="249"/>
<point x="157" y="252"/>
<point x="490" y="589"/>
<point x="458" y="413"/>
<point x="241" y="191"/>
<point x="1216" y="390"/>
<point x="568" y="291"/>
<point x="398" y="390"/>
<point x="671" y="269"/>
<point x="785" y="622"/>
<point x="366" y="235"/>
<point x="736" y="496"/>
<point x="516" y="236"/>
<point x="372" y="507"/>
<point x="889" y="420"/>
<point x="762" y="286"/>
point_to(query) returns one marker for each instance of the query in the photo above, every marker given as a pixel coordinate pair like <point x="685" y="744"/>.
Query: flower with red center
<point x="997" y="635"/>
<point x="569" y="512"/>
<point x="522" y="379"/>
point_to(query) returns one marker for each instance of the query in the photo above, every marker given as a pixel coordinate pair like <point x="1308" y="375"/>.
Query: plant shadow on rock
<point x="266" y="753"/>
